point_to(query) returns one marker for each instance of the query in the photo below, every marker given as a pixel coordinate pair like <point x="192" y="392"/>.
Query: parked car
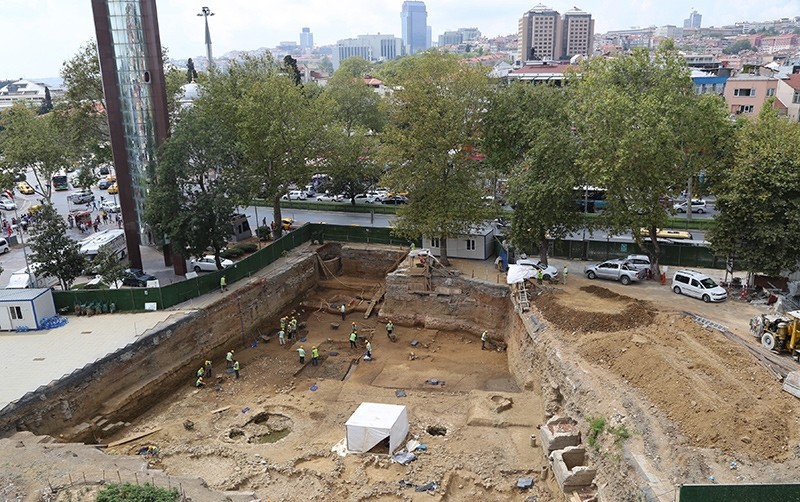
<point x="7" y="204"/>
<point x="698" y="206"/>
<point x="697" y="285"/>
<point x="548" y="272"/>
<point x="640" y="261"/>
<point x="327" y="197"/>
<point x="106" y="182"/>
<point x="309" y="190"/>
<point x="4" y="248"/>
<point x="616" y="270"/>
<point x="25" y="188"/>
<point x="208" y="264"/>
<point x="294" y="195"/>
<point x="110" y="206"/>
<point x="104" y="170"/>
<point x="666" y="233"/>
<point x="395" y="199"/>
<point x="365" y="198"/>
<point x="136" y="277"/>
<point x="113" y="189"/>
<point x="81" y="197"/>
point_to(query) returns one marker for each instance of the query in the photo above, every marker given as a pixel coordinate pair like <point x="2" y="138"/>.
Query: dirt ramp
<point x="600" y="310"/>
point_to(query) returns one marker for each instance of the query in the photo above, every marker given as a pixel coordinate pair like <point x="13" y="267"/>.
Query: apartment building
<point x="544" y="34"/>
<point x="746" y="94"/>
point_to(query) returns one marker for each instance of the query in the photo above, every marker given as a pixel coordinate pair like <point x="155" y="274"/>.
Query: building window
<point x="16" y="312"/>
<point x="744" y="92"/>
<point x="434" y="242"/>
<point x="745" y="108"/>
<point x="796" y="98"/>
<point x="470" y="244"/>
<point x="770" y="92"/>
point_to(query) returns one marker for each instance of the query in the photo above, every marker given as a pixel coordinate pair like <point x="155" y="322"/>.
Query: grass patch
<point x="596" y="427"/>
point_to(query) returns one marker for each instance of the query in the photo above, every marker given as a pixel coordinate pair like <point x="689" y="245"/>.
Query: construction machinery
<point x="779" y="332"/>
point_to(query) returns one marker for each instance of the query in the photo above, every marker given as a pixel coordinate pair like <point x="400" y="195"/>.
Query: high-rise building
<point x="370" y="47"/>
<point x="693" y="21"/>
<point x="129" y="49"/>
<point x="546" y="35"/>
<point x="306" y="39"/>
<point x="414" y="27"/>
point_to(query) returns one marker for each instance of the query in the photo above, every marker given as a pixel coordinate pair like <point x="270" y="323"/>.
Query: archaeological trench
<point x="512" y="428"/>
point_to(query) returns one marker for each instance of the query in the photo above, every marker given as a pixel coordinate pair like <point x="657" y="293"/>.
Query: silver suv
<point x="616" y="270"/>
<point x="698" y="206"/>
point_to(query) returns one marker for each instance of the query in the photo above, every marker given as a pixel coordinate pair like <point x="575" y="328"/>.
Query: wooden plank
<point x="133" y="438"/>
<point x="575" y="497"/>
<point x="374" y="301"/>
<point x="220" y="410"/>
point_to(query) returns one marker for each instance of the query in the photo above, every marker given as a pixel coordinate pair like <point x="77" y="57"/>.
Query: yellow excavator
<point x="780" y="332"/>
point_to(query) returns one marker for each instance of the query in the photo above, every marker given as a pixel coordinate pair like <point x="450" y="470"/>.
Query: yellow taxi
<point x="663" y="233"/>
<point x="25" y="188"/>
<point x="113" y="188"/>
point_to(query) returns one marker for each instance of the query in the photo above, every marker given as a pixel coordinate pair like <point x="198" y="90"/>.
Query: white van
<point x="691" y="283"/>
<point x="4" y="246"/>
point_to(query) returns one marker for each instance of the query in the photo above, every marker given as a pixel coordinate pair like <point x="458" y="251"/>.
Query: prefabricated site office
<point x="25" y="308"/>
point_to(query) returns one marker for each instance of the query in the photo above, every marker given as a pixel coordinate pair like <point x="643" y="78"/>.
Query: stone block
<point x="559" y="433"/>
<point x="570" y="469"/>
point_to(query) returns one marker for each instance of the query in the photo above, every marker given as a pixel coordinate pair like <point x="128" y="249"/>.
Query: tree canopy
<point x="53" y="250"/>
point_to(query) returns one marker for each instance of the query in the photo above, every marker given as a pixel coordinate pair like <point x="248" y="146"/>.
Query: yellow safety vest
<point x="314" y="353"/>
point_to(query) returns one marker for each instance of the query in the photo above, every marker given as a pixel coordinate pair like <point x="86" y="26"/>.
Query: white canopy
<point x="371" y="423"/>
<point x="518" y="273"/>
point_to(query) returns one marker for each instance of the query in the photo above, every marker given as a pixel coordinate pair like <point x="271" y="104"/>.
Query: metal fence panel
<point x="740" y="493"/>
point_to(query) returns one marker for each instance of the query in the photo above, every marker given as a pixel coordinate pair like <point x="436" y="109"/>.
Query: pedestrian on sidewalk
<point x="302" y="353"/>
<point x="353" y="338"/>
<point x="223" y="284"/>
<point x="314" y="355"/>
<point x="229" y="359"/>
<point x="119" y="221"/>
<point x="71" y="221"/>
<point x="236" y="368"/>
<point x="484" y="337"/>
<point x="282" y="337"/>
<point x="343" y="310"/>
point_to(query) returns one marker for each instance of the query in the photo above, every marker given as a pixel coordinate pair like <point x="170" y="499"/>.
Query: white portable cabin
<point x="372" y="423"/>
<point x="113" y="238"/>
<point x="25" y="308"/>
<point x="475" y="244"/>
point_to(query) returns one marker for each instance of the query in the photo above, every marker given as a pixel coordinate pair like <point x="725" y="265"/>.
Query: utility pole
<point x="205" y="13"/>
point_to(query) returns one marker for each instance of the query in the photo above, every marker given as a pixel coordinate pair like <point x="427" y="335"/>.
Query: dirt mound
<point x="604" y="310"/>
<point x="713" y="390"/>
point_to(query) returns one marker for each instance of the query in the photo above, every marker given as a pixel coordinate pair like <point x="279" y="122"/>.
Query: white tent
<point x="371" y="423"/>
<point x="518" y="273"/>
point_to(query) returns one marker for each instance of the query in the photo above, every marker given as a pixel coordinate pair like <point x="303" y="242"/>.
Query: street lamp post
<point x="205" y="13"/>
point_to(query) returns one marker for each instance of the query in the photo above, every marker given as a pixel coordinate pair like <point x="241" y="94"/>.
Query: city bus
<point x="60" y="183"/>
<point x="590" y="198"/>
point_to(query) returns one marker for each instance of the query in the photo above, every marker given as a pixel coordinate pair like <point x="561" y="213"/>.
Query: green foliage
<point x="620" y="434"/>
<point x="55" y="253"/>
<point x="596" y="427"/>
<point x="35" y="142"/>
<point x="198" y="183"/>
<point x="264" y="233"/>
<point x="231" y="253"/>
<point x="86" y="177"/>
<point x="429" y="144"/>
<point x="47" y="106"/>
<point x="353" y="103"/>
<point x="108" y="265"/>
<point x="738" y="46"/>
<point x="128" y="492"/>
<point x="759" y="196"/>
<point x="247" y="247"/>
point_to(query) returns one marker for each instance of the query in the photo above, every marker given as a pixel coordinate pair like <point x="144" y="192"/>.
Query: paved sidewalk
<point x="36" y="358"/>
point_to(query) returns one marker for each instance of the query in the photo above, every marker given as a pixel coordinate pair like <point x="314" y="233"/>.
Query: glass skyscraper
<point x="414" y="19"/>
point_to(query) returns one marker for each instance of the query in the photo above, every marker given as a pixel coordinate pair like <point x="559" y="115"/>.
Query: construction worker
<point x="282" y="337"/>
<point x="314" y="355"/>
<point x="343" y="310"/>
<point x="484" y="337"/>
<point x="413" y="247"/>
<point x="292" y="328"/>
<point x="539" y="276"/>
<point x="566" y="272"/>
<point x="353" y="338"/>
<point x="207" y="369"/>
<point x="200" y="372"/>
<point x="223" y="284"/>
<point x="229" y="359"/>
<point x="302" y="353"/>
<point x="236" y="368"/>
<point x="199" y="382"/>
<point x="369" y="350"/>
<point x="389" y="329"/>
<point x="353" y="327"/>
<point x="283" y="323"/>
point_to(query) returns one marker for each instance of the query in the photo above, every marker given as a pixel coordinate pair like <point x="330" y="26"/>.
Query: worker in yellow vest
<point x="229" y="359"/>
<point x="236" y="368"/>
<point x="199" y="382"/>
<point x="353" y="338"/>
<point x="314" y="355"/>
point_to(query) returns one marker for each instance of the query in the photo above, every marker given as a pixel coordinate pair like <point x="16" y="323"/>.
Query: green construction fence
<point x="740" y="493"/>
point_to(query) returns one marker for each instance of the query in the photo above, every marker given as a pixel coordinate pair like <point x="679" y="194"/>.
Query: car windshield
<point x="708" y="283"/>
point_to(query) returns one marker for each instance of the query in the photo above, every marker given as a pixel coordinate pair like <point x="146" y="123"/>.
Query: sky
<point x="37" y="36"/>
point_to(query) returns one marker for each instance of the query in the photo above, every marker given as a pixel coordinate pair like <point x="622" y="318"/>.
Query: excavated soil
<point x="594" y="308"/>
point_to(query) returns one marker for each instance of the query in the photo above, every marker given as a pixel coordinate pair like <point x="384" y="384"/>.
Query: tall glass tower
<point x="129" y="47"/>
<point x="414" y="20"/>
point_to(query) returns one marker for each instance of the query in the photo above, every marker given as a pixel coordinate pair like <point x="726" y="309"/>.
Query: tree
<point x="738" y="46"/>
<point x="630" y="115"/>
<point x="290" y="65"/>
<point x="325" y="65"/>
<point x="198" y="186"/>
<point x="351" y="163"/>
<point x="33" y="141"/>
<point x="434" y="129"/>
<point x="108" y="265"/>
<point x="55" y="253"/>
<point x="354" y="103"/>
<point x="191" y="73"/>
<point x="758" y="197"/>
<point x="537" y="140"/>
<point x="47" y="105"/>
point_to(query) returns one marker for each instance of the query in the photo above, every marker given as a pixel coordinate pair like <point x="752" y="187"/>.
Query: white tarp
<point x="518" y="273"/>
<point x="371" y="423"/>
